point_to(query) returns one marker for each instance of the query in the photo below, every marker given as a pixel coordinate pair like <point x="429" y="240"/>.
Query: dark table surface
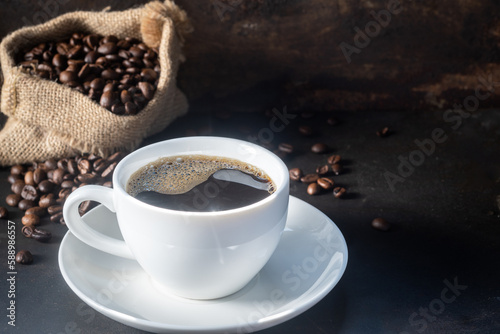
<point x="444" y="211"/>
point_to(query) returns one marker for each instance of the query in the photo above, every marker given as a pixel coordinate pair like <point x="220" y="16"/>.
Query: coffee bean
<point x="63" y="164"/>
<point x="30" y="193"/>
<point x="86" y="178"/>
<point x="108" y="99"/>
<point x="337" y="169"/>
<point x="28" y="178"/>
<point x="115" y="157"/>
<point x="41" y="235"/>
<point x="334" y="159"/>
<point x="284" y="147"/>
<point x="68" y="76"/>
<point x="313" y="189"/>
<point x="110" y="74"/>
<point x="13" y="199"/>
<point x="59" y="60"/>
<point x="108" y="184"/>
<point x="13" y="178"/>
<point x="56" y="217"/>
<point x="149" y="75"/>
<point x="54" y="209"/>
<point x="381" y="224"/>
<point x="67" y="184"/>
<point x="309" y="178"/>
<point x="39" y="175"/>
<point x="147" y="89"/>
<point x="27" y="230"/>
<point x="295" y="174"/>
<point x="17" y="187"/>
<point x="130" y="108"/>
<point x="17" y="170"/>
<point x="58" y="176"/>
<point x="107" y="48"/>
<point x="109" y="169"/>
<point x="326" y="183"/>
<point x="339" y="192"/>
<point x="322" y="170"/>
<point x="46" y="186"/>
<point x="319" y="148"/>
<point x="25" y="204"/>
<point x="84" y="207"/>
<point x="47" y="200"/>
<point x="306" y="130"/>
<point x="384" y="132"/>
<point x="36" y="210"/>
<point x="84" y="166"/>
<point x="30" y="219"/>
<point x="24" y="257"/>
<point x="4" y="213"/>
<point x="332" y="121"/>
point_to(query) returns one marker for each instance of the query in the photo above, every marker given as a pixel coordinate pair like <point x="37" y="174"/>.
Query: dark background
<point x="262" y="55"/>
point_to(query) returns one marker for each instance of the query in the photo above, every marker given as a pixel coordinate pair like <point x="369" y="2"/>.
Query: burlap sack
<point x="49" y="120"/>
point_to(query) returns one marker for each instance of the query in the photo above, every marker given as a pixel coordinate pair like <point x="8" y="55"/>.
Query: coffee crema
<point x="199" y="183"/>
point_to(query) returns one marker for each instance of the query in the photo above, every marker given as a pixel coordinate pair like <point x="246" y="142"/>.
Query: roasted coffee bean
<point x="50" y="164"/>
<point x="68" y="76"/>
<point x="108" y="184"/>
<point x="109" y="170"/>
<point x="30" y="193"/>
<point x="13" y="178"/>
<point x="86" y="178"/>
<point x="30" y="219"/>
<point x="306" y="130"/>
<point x="322" y="170"/>
<point x="84" y="207"/>
<point x="149" y="75"/>
<point x="338" y="192"/>
<point x="84" y="166"/>
<point x="99" y="165"/>
<point x="313" y="189"/>
<point x="337" y="169"/>
<point x="59" y="60"/>
<point x="25" y="204"/>
<point x="147" y="89"/>
<point x="107" y="48"/>
<point x="332" y="121"/>
<point x="17" y="170"/>
<point x="284" y="147"/>
<point x="47" y="200"/>
<point x="24" y="257"/>
<point x="334" y="159"/>
<point x="56" y="217"/>
<point x="131" y="108"/>
<point x="28" y="178"/>
<point x="63" y="164"/>
<point x="309" y="178"/>
<point x="36" y="210"/>
<point x="27" y="230"/>
<point x="54" y="209"/>
<point x="325" y="183"/>
<point x="13" y="199"/>
<point x="384" y="132"/>
<point x="72" y="167"/>
<point x="58" y="175"/>
<point x="63" y="193"/>
<point x="108" y="99"/>
<point x="17" y="187"/>
<point x="110" y="74"/>
<point x="46" y="186"/>
<point x="319" y="148"/>
<point x="41" y="235"/>
<point x="295" y="174"/>
<point x="39" y="175"/>
<point x="381" y="224"/>
<point x="4" y="213"/>
<point x="67" y="184"/>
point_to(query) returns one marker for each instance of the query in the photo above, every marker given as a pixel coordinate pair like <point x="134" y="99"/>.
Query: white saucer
<point x="308" y="263"/>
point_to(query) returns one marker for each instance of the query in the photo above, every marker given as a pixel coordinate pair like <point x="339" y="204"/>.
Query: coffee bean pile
<point x="41" y="189"/>
<point x="120" y="74"/>
<point x="320" y="181"/>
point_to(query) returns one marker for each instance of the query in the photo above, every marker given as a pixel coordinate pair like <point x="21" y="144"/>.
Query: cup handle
<point x="83" y="231"/>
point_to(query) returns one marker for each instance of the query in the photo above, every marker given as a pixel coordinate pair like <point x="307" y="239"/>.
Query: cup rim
<point x="280" y="189"/>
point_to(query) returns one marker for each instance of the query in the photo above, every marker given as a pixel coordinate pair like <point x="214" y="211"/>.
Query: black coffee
<point x="199" y="183"/>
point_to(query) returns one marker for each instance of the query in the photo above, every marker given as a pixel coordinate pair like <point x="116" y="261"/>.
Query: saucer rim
<point x="263" y="323"/>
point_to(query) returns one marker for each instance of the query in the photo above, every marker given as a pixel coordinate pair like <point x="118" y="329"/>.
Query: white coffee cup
<point x="197" y="255"/>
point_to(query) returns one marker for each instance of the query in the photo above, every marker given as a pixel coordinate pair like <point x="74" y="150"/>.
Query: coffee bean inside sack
<point x="119" y="74"/>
